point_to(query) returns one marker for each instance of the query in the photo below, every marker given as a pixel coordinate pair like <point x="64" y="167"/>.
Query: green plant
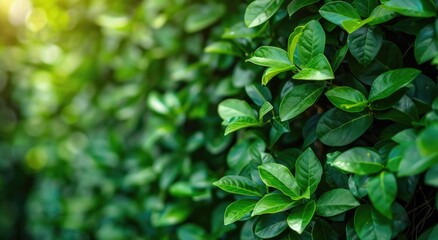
<point x="341" y="142"/>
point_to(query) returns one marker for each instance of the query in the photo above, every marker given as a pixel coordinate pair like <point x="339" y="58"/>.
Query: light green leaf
<point x="308" y="171"/>
<point x="335" y="202"/>
<point x="413" y="162"/>
<point x="382" y="190"/>
<point x="237" y="123"/>
<point x="347" y="99"/>
<point x="338" y="11"/>
<point x="365" y="44"/>
<point x="389" y="82"/>
<point x="301" y="217"/>
<point x="296" y="5"/>
<point x="311" y="43"/>
<point x="223" y="47"/>
<point x="274" y="71"/>
<point x="293" y="41"/>
<point x="318" y="68"/>
<point x="339" y="128"/>
<point x="417" y="8"/>
<point x="359" y="160"/>
<point x="431" y="177"/>
<point x="270" y="57"/>
<point x="265" y="109"/>
<point x="273" y="203"/>
<point x="259" y="11"/>
<point x="381" y="14"/>
<point x="235" y="108"/>
<point x="203" y="15"/>
<point x="370" y="224"/>
<point x="238" y="185"/>
<point x="236" y="210"/>
<point x="353" y="25"/>
<point x="299" y="99"/>
<point x="278" y="176"/>
<point x="426" y="43"/>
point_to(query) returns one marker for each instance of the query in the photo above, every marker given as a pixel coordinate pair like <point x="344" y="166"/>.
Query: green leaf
<point x="370" y="224"/>
<point x="274" y="71"/>
<point x="353" y="25"/>
<point x="299" y="99"/>
<point x="203" y="15"/>
<point x="235" y="108"/>
<point x="273" y="203"/>
<point x="359" y="160"/>
<point x="417" y="8"/>
<point x="429" y="234"/>
<point x="426" y="43"/>
<point x="431" y="177"/>
<point x="335" y="202"/>
<point x="339" y="128"/>
<point x="238" y="185"/>
<point x="223" y="47"/>
<point x="296" y="5"/>
<point x="301" y="217"/>
<point x="382" y="190"/>
<point x="322" y="230"/>
<point x="389" y="82"/>
<point x="278" y="176"/>
<point x="292" y="42"/>
<point x="191" y="231"/>
<point x="308" y="171"/>
<point x="259" y="94"/>
<point x="365" y="44"/>
<point x="381" y="14"/>
<point x="265" y="109"/>
<point x="236" y="210"/>
<point x="413" y="162"/>
<point x="311" y="43"/>
<point x="259" y="11"/>
<point x="347" y="99"/>
<point x="237" y="123"/>
<point x="339" y="57"/>
<point x="338" y="11"/>
<point x="365" y="7"/>
<point x="270" y="226"/>
<point x="270" y="57"/>
<point x="318" y="68"/>
<point x="400" y="219"/>
<point x="357" y="185"/>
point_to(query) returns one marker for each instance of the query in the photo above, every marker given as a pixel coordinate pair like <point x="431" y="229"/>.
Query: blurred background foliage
<point x="108" y="122"/>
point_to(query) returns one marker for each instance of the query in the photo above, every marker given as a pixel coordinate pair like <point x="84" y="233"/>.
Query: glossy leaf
<point x="365" y="44"/>
<point x="339" y="57"/>
<point x="339" y="128"/>
<point x="426" y="44"/>
<point x="270" y="57"/>
<point x="270" y="226"/>
<point x="308" y="171"/>
<point x="236" y="210"/>
<point x="237" y="123"/>
<point x="338" y="11"/>
<point x="273" y="203"/>
<point x="296" y="5"/>
<point x="259" y="94"/>
<point x="311" y="43"/>
<point x="278" y="176"/>
<point x="382" y="190"/>
<point x="265" y="109"/>
<point x="389" y="82"/>
<point x="301" y="217"/>
<point x="381" y="14"/>
<point x="334" y="202"/>
<point x="259" y="11"/>
<point x="318" y="68"/>
<point x="370" y="224"/>
<point x="359" y="160"/>
<point x="418" y="8"/>
<point x="347" y="99"/>
<point x="235" y="108"/>
<point x="299" y="99"/>
<point x="238" y="185"/>
<point x="431" y="177"/>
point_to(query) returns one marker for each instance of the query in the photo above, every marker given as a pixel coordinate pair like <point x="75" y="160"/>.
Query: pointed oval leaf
<point x="278" y="176"/>
<point x="236" y="210"/>
<point x="347" y="99"/>
<point x="426" y="44"/>
<point x="259" y="94"/>
<point x="301" y="217"/>
<point x="381" y="14"/>
<point x="339" y="128"/>
<point x="359" y="160"/>
<point x="311" y="43"/>
<point x="238" y="185"/>
<point x="334" y="202"/>
<point x="308" y="171"/>
<point x="273" y="203"/>
<point x="370" y="224"/>
<point x="318" y="68"/>
<point x="237" y="123"/>
<point x="260" y="11"/>
<point x="382" y="190"/>
<point x="389" y="82"/>
<point x="270" y="57"/>
<point x="365" y="44"/>
<point x="338" y="11"/>
<point x="270" y="226"/>
<point x="299" y="99"/>
<point x="235" y="108"/>
<point x="417" y="8"/>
